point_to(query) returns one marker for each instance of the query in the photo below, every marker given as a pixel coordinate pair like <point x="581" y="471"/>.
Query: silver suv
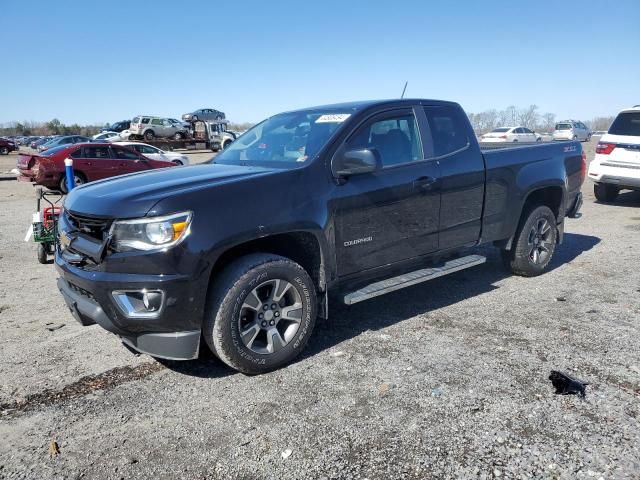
<point x="572" y="130"/>
<point x="150" y="127"/>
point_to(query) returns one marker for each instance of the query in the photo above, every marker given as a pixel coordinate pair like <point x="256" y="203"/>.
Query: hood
<point x="133" y="195"/>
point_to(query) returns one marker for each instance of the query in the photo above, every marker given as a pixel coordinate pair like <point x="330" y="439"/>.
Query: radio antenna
<point x="404" y="89"/>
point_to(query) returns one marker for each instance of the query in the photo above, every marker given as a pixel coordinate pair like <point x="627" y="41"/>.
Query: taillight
<point x="605" y="148"/>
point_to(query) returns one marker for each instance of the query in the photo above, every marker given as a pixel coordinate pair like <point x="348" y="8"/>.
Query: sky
<point x="96" y="62"/>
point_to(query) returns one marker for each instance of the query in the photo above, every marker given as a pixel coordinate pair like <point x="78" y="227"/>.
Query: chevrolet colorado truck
<point x="355" y="200"/>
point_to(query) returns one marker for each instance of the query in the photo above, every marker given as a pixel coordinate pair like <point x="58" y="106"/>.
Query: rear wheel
<point x="149" y="135"/>
<point x="605" y="192"/>
<point x="534" y="244"/>
<point x="78" y="179"/>
<point x="260" y="313"/>
<point x="575" y="137"/>
<point x="4" y="150"/>
<point x="178" y="136"/>
<point x="226" y="145"/>
<point x="178" y="162"/>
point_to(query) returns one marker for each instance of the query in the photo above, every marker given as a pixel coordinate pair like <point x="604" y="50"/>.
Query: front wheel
<point x="178" y="136"/>
<point x="42" y="254"/>
<point x="534" y="244"/>
<point x="605" y="192"/>
<point x="4" y="151"/>
<point x="260" y="313"/>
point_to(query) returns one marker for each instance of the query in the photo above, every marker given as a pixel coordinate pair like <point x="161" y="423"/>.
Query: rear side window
<point x="448" y="129"/>
<point x="627" y="123"/>
<point x="145" y="120"/>
<point x="77" y="153"/>
<point x="136" y="120"/>
<point x="96" y="152"/>
<point x="124" y="154"/>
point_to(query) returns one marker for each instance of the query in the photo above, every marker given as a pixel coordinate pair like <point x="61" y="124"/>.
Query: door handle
<point x="423" y="183"/>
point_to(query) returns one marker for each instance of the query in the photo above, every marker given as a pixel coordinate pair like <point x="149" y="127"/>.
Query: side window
<point x="77" y="153"/>
<point x="526" y="130"/>
<point x="145" y="120"/>
<point x="448" y="129"/>
<point x="96" y="152"/>
<point x="394" y="136"/>
<point x="156" y="121"/>
<point x="124" y="154"/>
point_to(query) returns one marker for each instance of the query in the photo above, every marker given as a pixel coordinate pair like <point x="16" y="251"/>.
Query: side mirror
<point x="355" y="162"/>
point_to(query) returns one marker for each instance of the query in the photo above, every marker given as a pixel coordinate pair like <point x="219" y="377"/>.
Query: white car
<point x="107" y="137"/>
<point x="154" y="153"/>
<point x="510" y="134"/>
<point x="616" y="165"/>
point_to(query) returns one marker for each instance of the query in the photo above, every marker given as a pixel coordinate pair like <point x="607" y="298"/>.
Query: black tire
<point x="605" y="192"/>
<point x="538" y="139"/>
<point x="4" y="151"/>
<point x="225" y="145"/>
<point x="42" y="254"/>
<point x="79" y="180"/>
<point x="149" y="135"/>
<point x="178" y="162"/>
<point x="226" y="311"/>
<point x="575" y="137"/>
<point x="178" y="136"/>
<point x="521" y="259"/>
<point x="515" y="140"/>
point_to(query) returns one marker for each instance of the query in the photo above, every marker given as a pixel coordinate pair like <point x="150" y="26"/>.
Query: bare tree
<point x="548" y="122"/>
<point x="528" y="117"/>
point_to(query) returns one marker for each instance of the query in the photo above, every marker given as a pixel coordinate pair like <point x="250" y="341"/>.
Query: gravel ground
<point x="443" y="380"/>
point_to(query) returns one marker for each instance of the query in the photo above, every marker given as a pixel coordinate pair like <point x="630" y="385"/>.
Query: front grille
<point x="96" y="227"/>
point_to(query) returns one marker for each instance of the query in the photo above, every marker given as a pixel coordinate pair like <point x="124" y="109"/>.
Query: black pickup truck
<point x="353" y="200"/>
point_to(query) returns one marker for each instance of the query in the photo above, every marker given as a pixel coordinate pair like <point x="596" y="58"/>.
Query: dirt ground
<point x="447" y="379"/>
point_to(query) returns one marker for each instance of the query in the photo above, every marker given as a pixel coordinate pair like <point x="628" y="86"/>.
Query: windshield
<point x="626" y="124"/>
<point x="563" y="126"/>
<point x="285" y="140"/>
<point x="500" y="130"/>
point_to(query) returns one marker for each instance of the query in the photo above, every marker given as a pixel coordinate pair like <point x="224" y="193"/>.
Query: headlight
<point x="152" y="233"/>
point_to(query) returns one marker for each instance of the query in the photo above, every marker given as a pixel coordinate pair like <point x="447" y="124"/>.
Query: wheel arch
<point x="550" y="195"/>
<point x="303" y="247"/>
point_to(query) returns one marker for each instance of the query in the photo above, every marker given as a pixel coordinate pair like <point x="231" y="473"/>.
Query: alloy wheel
<point x="270" y="316"/>
<point x="540" y="241"/>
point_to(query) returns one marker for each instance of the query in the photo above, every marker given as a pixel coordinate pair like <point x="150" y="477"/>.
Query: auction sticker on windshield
<point x="333" y="118"/>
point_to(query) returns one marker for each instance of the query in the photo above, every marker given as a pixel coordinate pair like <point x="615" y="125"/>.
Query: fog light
<point x="139" y="303"/>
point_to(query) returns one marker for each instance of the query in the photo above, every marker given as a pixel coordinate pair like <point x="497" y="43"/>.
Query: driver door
<point x="391" y="215"/>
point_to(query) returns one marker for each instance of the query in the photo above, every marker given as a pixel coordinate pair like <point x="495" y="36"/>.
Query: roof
<point x="362" y="104"/>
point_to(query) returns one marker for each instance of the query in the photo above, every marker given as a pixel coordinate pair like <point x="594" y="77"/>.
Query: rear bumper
<point x="173" y="334"/>
<point x="625" y="175"/>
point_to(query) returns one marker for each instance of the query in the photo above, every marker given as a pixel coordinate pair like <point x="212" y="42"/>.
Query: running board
<point x="412" y="278"/>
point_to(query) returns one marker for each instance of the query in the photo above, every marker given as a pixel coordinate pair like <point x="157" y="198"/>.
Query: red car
<point x="91" y="161"/>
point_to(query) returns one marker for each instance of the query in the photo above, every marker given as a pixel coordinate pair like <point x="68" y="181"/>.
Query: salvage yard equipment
<point x="45" y="223"/>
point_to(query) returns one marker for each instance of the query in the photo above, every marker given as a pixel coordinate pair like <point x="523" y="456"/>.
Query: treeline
<point x="54" y="127"/>
<point x="529" y="117"/>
